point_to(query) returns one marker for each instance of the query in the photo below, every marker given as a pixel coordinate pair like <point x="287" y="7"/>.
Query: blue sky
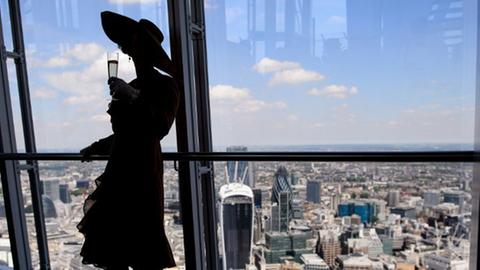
<point x="375" y="72"/>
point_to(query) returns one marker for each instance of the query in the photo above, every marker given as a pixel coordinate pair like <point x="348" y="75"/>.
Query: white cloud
<point x="82" y="99"/>
<point x="267" y="65"/>
<point x="228" y="92"/>
<point x="86" y="52"/>
<point x="227" y="99"/>
<point x="209" y="5"/>
<point x="336" y="20"/>
<point x="253" y="105"/>
<point x="286" y="72"/>
<point x="90" y="80"/>
<point x="295" y="76"/>
<point x="44" y="93"/>
<point x="132" y="1"/>
<point x="57" y="61"/>
<point x="292" y="117"/>
<point x="60" y="125"/>
<point x="353" y="90"/>
<point x="334" y="91"/>
<point x="100" y="118"/>
<point x="79" y="53"/>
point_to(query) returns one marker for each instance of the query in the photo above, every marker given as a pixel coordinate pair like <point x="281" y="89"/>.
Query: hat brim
<point x="120" y="29"/>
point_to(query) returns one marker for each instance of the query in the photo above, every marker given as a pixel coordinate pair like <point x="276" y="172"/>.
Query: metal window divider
<point x="475" y="235"/>
<point x="10" y="177"/>
<point x="198" y="30"/>
<point x="28" y="132"/>
<point x="187" y="135"/>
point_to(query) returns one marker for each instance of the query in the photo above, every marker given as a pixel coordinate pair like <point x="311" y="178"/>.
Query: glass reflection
<point x="306" y="72"/>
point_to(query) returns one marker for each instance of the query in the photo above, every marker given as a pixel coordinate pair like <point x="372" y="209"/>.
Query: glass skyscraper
<point x="282" y="208"/>
<point x="238" y="169"/>
<point x="236" y="216"/>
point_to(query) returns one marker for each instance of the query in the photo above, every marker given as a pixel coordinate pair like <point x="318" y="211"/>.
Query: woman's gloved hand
<point x="119" y="89"/>
<point x="86" y="153"/>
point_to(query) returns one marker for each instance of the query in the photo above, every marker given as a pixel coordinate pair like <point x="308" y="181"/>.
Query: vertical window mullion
<point x="475" y="236"/>
<point x="17" y="225"/>
<point x="187" y="135"/>
<point x="28" y="131"/>
<point x="205" y="136"/>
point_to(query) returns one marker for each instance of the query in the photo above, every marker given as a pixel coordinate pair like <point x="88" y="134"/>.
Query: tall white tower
<point x="236" y="221"/>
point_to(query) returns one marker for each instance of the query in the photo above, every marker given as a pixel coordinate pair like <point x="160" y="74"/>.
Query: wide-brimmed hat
<point x="120" y="29"/>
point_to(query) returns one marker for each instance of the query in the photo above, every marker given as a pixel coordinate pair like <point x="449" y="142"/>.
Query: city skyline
<point x="414" y="215"/>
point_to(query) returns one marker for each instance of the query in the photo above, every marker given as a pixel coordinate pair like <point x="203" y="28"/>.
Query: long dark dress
<point x="123" y="222"/>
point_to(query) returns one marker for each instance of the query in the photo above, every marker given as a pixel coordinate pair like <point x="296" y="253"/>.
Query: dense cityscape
<point x="290" y="215"/>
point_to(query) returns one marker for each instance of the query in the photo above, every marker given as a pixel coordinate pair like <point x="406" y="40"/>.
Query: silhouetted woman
<point x="123" y="222"/>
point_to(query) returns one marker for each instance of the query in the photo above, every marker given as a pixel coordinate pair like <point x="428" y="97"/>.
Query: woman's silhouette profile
<point x="123" y="222"/>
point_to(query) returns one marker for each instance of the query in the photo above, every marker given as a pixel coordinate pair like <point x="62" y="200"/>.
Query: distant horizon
<point x="315" y="147"/>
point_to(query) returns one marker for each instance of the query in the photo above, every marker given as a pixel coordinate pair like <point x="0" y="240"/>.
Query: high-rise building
<point x="50" y="188"/>
<point x="404" y="211"/>
<point x="329" y="247"/>
<point x="280" y="246"/>
<point x="236" y="221"/>
<point x="294" y="178"/>
<point x="49" y="209"/>
<point x="257" y="197"/>
<point x="64" y="193"/>
<point x="281" y="213"/>
<point x="362" y="210"/>
<point x="258" y="226"/>
<point x="456" y="197"/>
<point x="84" y="184"/>
<point x="282" y="205"/>
<point x="431" y="198"/>
<point x="334" y="201"/>
<point x="297" y="208"/>
<point x="239" y="170"/>
<point x="345" y="209"/>
<point x="379" y="208"/>
<point x="393" y="198"/>
<point x="366" y="210"/>
<point x="314" y="189"/>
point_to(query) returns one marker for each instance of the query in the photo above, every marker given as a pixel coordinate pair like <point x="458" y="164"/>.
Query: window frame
<point x="195" y="156"/>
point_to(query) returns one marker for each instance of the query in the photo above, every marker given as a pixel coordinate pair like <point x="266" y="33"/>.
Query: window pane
<point x="16" y="110"/>
<point x="275" y="215"/>
<point x="335" y="74"/>
<point x="67" y="64"/>
<point x="6" y="259"/>
<point x="66" y="184"/>
<point x="6" y="25"/>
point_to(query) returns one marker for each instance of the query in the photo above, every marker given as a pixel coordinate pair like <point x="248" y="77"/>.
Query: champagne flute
<point x="112" y="65"/>
<point x="112" y="62"/>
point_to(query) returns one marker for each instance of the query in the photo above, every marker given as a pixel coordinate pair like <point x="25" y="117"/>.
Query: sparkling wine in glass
<point x="112" y="62"/>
